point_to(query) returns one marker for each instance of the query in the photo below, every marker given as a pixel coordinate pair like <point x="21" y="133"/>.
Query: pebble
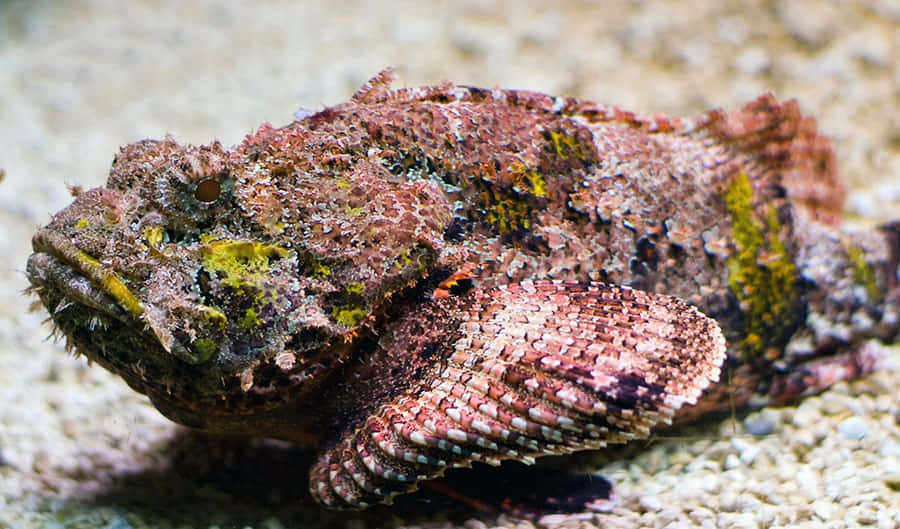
<point x="823" y="509"/>
<point x="888" y="519"/>
<point x="803" y="441"/>
<point x="732" y="461"/>
<point x="833" y="404"/>
<point x="702" y="513"/>
<point x="889" y="449"/>
<point x="552" y="520"/>
<point x="891" y="480"/>
<point x="865" y="513"/>
<point x="810" y="22"/>
<point x="807" y="414"/>
<point x="651" y="503"/>
<point x="753" y="61"/>
<point x="744" y="520"/>
<point x="853" y="428"/>
<point x="807" y="483"/>
<point x="871" y="48"/>
<point x="765" y="515"/>
<point x="760" y="424"/>
<point x="730" y="501"/>
<point x="862" y="202"/>
<point x="747" y="451"/>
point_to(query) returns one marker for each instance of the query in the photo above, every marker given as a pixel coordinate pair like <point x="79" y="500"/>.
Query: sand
<point x="78" y="449"/>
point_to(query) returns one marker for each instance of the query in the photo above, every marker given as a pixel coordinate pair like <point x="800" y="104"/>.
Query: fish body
<point x="422" y="278"/>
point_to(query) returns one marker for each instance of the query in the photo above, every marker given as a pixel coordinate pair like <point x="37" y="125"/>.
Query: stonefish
<point x="423" y="278"/>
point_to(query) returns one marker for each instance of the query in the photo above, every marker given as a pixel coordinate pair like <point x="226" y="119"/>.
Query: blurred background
<point x="78" y="79"/>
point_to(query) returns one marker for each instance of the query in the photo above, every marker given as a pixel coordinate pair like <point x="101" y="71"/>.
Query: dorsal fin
<point x="376" y="89"/>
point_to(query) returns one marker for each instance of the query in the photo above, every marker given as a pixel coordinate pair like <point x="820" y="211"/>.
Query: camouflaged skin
<point x="421" y="278"/>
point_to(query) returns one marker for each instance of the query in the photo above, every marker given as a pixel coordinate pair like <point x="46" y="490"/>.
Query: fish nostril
<point x="202" y="281"/>
<point x="175" y="236"/>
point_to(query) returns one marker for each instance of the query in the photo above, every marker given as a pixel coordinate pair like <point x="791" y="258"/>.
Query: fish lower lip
<point x="46" y="271"/>
<point x="58" y="262"/>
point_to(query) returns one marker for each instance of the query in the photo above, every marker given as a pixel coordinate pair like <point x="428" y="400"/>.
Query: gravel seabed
<point x="79" y="79"/>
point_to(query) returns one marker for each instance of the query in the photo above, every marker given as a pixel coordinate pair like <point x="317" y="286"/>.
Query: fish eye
<point x="208" y="191"/>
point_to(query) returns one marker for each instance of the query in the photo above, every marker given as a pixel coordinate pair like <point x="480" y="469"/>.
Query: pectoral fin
<point x="522" y="371"/>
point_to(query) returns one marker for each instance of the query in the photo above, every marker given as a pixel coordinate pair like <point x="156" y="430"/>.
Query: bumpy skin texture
<point x="422" y="278"/>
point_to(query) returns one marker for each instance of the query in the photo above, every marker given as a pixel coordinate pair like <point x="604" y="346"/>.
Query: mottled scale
<point x="367" y="472"/>
<point x="464" y="428"/>
<point x="430" y="427"/>
<point x="393" y="458"/>
<point x="414" y="444"/>
<point x="513" y="407"/>
<point x="498" y="417"/>
<point x="485" y="416"/>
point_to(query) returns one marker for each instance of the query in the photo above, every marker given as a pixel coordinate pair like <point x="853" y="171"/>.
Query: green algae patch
<point x="321" y="270"/>
<point x="506" y="211"/>
<point x="528" y="180"/>
<point x="349" y="315"/>
<point x="82" y="223"/>
<point x="214" y="315"/>
<point x="203" y="349"/>
<point x="569" y="146"/>
<point x="240" y="263"/>
<point x="355" y="287"/>
<point x="762" y="273"/>
<point x="862" y="272"/>
<point x="411" y="262"/>
<point x="506" y="204"/>
<point x="249" y="320"/>
<point x="153" y="236"/>
<point x="537" y="183"/>
<point x="355" y="211"/>
<point x="508" y="215"/>
<point x="315" y="267"/>
<point x="275" y="227"/>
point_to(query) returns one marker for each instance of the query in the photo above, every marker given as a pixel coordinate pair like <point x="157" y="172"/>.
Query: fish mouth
<point x="101" y="319"/>
<point x="59" y="267"/>
<point x="64" y="276"/>
<point x="90" y="307"/>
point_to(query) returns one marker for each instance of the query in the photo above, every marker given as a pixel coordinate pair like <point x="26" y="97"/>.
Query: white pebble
<point x="824" y="509"/>
<point x="651" y="503"/>
<point x="743" y="520"/>
<point x="852" y="428"/>
<point x="748" y="451"/>
<point x="807" y="482"/>
<point x="889" y="449"/>
<point x="753" y="61"/>
<point x="732" y="461"/>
